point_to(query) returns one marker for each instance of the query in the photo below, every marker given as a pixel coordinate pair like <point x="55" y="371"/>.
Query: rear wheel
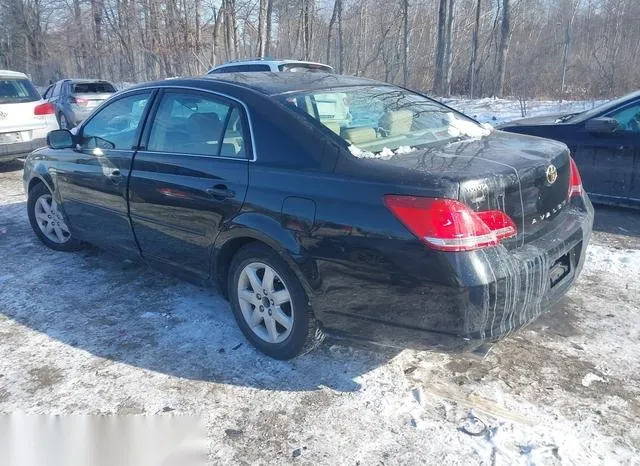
<point x="48" y="222"/>
<point x="62" y="122"/>
<point x="270" y="305"/>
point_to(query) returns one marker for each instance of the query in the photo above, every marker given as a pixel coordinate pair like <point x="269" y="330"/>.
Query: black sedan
<point x="405" y="223"/>
<point x="605" y="143"/>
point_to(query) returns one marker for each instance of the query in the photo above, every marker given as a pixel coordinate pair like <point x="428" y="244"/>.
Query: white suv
<point x="259" y="64"/>
<point x="25" y="118"/>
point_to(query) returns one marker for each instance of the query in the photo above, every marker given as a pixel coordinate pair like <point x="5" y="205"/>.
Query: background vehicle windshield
<point x="93" y="88"/>
<point x="383" y="118"/>
<point x="17" y="90"/>
<point x="305" y="67"/>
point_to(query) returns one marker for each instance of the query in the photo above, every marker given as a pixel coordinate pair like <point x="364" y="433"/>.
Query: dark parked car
<point x="423" y="229"/>
<point x="75" y="99"/>
<point x="605" y="143"/>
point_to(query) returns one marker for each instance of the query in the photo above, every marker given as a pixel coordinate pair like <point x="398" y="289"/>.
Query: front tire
<point x="270" y="305"/>
<point x="48" y="222"/>
<point x="62" y="122"/>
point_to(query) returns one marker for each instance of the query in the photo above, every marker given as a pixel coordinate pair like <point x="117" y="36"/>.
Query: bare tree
<point x="505" y="33"/>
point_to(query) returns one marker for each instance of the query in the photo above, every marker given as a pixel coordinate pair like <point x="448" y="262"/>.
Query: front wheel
<point x="270" y="305"/>
<point x="48" y="222"/>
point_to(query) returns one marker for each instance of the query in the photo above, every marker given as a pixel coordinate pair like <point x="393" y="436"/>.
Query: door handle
<point x="114" y="175"/>
<point x="221" y="192"/>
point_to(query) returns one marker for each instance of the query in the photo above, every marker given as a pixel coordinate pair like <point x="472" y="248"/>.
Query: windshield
<point x="384" y="120"/>
<point x="17" y="90"/>
<point x="293" y="67"/>
<point x="93" y="88"/>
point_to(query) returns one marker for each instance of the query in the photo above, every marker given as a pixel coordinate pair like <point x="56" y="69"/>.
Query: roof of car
<point x="279" y="83"/>
<point x="267" y="82"/>
<point x="12" y="74"/>
<point x="257" y="61"/>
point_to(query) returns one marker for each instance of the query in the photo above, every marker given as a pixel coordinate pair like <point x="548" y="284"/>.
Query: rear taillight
<point x="79" y="101"/>
<point x="44" y="109"/>
<point x="449" y="225"/>
<point x="575" y="182"/>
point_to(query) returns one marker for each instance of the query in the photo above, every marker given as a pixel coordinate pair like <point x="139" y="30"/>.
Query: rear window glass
<point x="17" y="90"/>
<point x="293" y="67"/>
<point x="93" y="88"/>
<point x="384" y="120"/>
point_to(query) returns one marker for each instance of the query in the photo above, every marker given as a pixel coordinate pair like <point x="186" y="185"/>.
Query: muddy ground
<point x="84" y="333"/>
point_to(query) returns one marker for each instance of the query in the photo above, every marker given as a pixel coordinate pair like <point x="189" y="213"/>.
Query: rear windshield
<point x="381" y="121"/>
<point x="93" y="88"/>
<point x="305" y="67"/>
<point x="17" y="90"/>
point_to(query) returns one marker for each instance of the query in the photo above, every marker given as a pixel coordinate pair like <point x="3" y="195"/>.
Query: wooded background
<point x="520" y="48"/>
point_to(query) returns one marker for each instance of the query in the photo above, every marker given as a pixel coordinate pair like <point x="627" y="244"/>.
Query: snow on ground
<point x="496" y="111"/>
<point x="85" y="333"/>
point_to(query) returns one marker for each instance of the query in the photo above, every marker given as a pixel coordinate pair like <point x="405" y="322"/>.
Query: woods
<point x="521" y="48"/>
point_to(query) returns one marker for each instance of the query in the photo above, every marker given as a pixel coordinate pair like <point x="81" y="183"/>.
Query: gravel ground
<point x="84" y="333"/>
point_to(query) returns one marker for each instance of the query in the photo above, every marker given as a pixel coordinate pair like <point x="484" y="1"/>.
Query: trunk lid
<point x="525" y="177"/>
<point x="89" y="99"/>
<point x="17" y="121"/>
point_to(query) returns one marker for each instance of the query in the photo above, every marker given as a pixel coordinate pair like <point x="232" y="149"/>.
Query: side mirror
<point x="601" y="125"/>
<point x="60" y="139"/>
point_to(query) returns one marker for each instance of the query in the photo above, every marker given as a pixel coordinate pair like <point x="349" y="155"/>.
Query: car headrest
<point x="396" y="122"/>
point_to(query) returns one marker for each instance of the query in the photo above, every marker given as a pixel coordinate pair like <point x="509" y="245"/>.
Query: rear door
<point x="610" y="163"/>
<point x="92" y="178"/>
<point x="189" y="178"/>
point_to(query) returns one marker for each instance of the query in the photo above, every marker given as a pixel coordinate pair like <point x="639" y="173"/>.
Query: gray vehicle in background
<point x="75" y="99"/>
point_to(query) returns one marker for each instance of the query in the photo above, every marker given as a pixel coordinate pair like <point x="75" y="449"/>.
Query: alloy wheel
<point x="265" y="302"/>
<point x="50" y="220"/>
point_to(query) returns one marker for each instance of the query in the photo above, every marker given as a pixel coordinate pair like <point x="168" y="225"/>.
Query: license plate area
<point x="560" y="269"/>
<point x="10" y="138"/>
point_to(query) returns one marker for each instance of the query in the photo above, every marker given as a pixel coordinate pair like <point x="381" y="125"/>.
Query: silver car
<point x="75" y="99"/>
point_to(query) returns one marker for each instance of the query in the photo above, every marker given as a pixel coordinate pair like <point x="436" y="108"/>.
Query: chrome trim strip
<point x="222" y="94"/>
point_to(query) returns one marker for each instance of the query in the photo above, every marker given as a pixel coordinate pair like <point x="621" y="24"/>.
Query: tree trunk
<point x="473" y="71"/>
<point x="503" y="47"/>
<point x="448" y="52"/>
<point x="263" y="17"/>
<point x="440" y="47"/>
<point x="405" y="43"/>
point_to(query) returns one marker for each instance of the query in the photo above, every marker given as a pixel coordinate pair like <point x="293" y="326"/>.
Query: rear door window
<point x="198" y="124"/>
<point x="17" y="91"/>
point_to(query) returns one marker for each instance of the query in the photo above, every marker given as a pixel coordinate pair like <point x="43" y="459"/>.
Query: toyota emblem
<point x="552" y="174"/>
<point x="3" y="115"/>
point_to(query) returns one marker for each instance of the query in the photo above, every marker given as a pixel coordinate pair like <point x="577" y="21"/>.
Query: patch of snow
<point x="589" y="378"/>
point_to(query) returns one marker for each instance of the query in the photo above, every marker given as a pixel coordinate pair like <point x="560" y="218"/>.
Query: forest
<point x="558" y="49"/>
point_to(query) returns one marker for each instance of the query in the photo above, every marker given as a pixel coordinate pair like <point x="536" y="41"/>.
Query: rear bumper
<point x="11" y="151"/>
<point x="490" y="293"/>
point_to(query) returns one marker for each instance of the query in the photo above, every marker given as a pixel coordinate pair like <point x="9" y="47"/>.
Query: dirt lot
<point x="84" y="333"/>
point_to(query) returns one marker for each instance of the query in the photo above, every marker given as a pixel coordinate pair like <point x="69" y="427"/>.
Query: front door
<point x="610" y="163"/>
<point x="189" y="177"/>
<point x="92" y="179"/>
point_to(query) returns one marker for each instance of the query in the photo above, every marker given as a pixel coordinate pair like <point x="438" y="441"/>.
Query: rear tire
<point x="62" y="122"/>
<point x="48" y="221"/>
<point x="280" y="322"/>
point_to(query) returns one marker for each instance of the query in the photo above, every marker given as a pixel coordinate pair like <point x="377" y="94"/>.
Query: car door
<point x="189" y="178"/>
<point x="92" y="178"/>
<point x="609" y="163"/>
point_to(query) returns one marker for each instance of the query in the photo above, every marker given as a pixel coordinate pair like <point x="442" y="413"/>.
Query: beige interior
<point x="333" y="126"/>
<point x="397" y="122"/>
<point x="358" y="135"/>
